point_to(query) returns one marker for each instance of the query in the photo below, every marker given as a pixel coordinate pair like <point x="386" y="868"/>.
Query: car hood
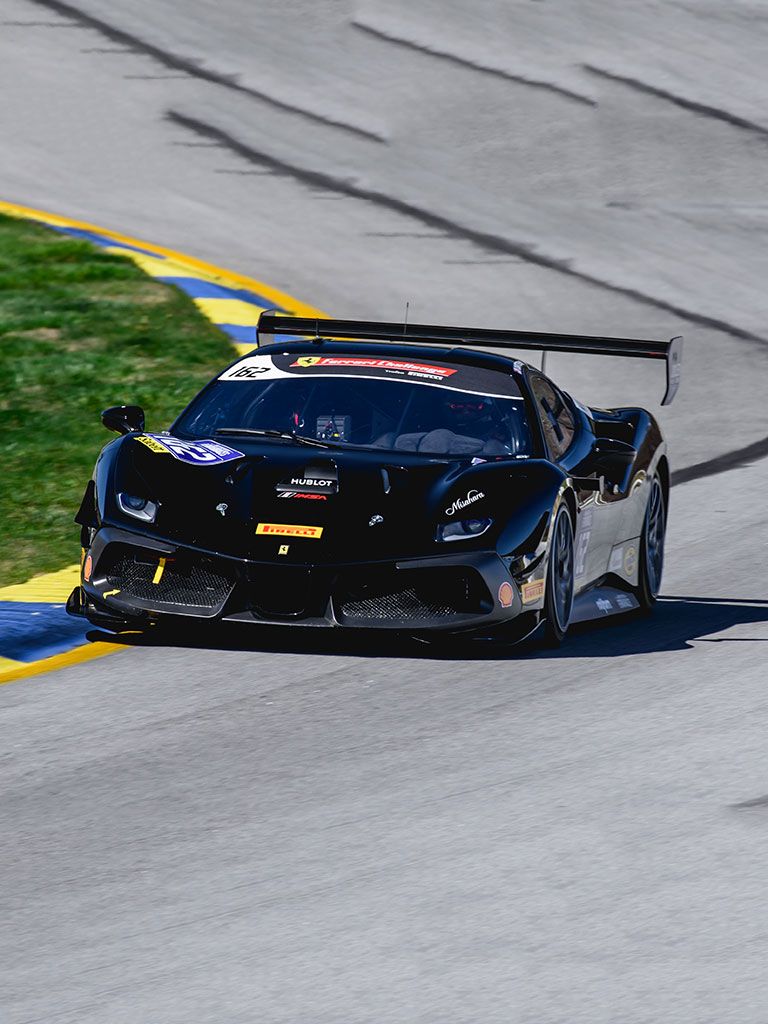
<point x="278" y="500"/>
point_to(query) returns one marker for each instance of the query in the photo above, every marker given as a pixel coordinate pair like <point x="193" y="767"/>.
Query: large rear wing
<point x="272" y="326"/>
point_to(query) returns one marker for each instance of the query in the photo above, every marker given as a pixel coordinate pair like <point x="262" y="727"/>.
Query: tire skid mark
<point x="484" y="240"/>
<point x="191" y="67"/>
<point x="467" y="62"/>
<point x="705" y="109"/>
<point x="736" y="459"/>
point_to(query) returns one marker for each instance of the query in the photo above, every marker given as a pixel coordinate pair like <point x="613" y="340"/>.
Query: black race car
<point x="374" y="475"/>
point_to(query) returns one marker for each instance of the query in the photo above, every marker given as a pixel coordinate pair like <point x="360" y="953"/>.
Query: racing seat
<point x="441" y="442"/>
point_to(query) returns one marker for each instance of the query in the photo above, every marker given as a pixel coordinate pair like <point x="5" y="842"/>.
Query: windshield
<point x="351" y="408"/>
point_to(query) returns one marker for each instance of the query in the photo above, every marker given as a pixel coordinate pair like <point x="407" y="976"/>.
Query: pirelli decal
<point x="288" y="530"/>
<point x="533" y="591"/>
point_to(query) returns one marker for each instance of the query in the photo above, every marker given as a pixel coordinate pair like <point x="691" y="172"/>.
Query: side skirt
<point x="602" y="602"/>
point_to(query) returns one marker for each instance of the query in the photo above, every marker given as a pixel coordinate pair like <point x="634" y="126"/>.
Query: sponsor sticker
<point x="623" y="559"/>
<point x="299" y="494"/>
<point x="616" y="560"/>
<point x="153" y="445"/>
<point x="461" y="503"/>
<point x="196" y="453"/>
<point x="389" y="365"/>
<point x="310" y="481"/>
<point x="603" y="604"/>
<point x="290" y="530"/>
<point x="506" y="595"/>
<point x="307" y="486"/>
<point x="283" y="549"/>
<point x="630" y="559"/>
<point x="624" y="601"/>
<point x="582" y="542"/>
<point x="533" y="591"/>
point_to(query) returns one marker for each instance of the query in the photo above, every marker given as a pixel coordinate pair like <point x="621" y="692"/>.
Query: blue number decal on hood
<point x="196" y="453"/>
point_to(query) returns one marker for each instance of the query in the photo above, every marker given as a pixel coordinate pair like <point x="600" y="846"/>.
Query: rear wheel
<point x="558" y="599"/>
<point x="652" y="548"/>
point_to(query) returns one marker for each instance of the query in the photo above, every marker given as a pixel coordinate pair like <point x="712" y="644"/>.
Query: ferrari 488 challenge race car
<point x="381" y="476"/>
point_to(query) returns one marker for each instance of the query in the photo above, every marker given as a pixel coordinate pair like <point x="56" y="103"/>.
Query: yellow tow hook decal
<point x="159" y="571"/>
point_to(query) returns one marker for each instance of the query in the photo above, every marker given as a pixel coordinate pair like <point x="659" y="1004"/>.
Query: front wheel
<point x="652" y="548"/>
<point x="558" y="599"/>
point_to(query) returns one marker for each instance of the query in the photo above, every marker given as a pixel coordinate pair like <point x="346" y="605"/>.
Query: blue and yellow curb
<point x="36" y="634"/>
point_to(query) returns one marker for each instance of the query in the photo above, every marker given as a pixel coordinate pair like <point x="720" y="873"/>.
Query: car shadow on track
<point x="675" y="622"/>
<point x="673" y="625"/>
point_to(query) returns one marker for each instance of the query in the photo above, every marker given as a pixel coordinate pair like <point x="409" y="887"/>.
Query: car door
<point x="567" y="446"/>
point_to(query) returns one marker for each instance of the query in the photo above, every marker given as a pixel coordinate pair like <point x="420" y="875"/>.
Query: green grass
<point x="80" y="330"/>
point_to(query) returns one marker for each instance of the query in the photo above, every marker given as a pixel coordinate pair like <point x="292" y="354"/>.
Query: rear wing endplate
<point x="272" y="326"/>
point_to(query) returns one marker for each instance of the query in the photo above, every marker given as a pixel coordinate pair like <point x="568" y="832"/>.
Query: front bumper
<point x="136" y="578"/>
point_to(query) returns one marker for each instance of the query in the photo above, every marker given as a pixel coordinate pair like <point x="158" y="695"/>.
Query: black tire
<point x="652" y="548"/>
<point x="558" y="596"/>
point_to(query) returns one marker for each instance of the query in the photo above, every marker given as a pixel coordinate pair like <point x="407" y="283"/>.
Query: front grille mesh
<point x="197" y="584"/>
<point x="403" y="604"/>
<point x="434" y="595"/>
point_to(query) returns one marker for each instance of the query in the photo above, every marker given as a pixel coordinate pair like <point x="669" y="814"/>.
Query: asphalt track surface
<point x="276" y="830"/>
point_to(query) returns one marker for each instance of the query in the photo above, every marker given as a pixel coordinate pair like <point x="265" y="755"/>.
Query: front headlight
<point x="463" y="529"/>
<point x="139" y="508"/>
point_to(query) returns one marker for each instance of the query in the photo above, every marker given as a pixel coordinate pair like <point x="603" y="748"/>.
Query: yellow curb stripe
<point x="229" y="311"/>
<point x="48" y="588"/>
<point x="22" y="670"/>
<point x="243" y="348"/>
<point x="220" y="274"/>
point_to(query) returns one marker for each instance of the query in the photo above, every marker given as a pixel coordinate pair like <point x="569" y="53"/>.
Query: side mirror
<point x="613" y="458"/>
<point x="123" y="419"/>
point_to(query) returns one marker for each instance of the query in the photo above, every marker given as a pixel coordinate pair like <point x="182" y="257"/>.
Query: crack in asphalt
<point x="466" y="62"/>
<point x="718" y="113"/>
<point x="489" y="242"/>
<point x="194" y="69"/>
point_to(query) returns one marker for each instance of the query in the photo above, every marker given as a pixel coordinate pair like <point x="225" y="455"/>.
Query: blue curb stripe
<point x="29" y="631"/>
<point x="103" y="240"/>
<point x="247" y="335"/>
<point x="242" y="335"/>
<point x="199" y="289"/>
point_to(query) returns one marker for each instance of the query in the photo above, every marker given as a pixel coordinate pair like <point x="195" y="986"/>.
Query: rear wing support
<point x="273" y="326"/>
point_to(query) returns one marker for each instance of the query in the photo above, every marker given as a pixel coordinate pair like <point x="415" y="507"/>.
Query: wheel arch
<point x="569" y="499"/>
<point x="663" y="473"/>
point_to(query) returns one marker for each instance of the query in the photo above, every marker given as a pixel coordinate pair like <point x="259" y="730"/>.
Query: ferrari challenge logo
<point x="366" y="363"/>
<point x="287" y="530"/>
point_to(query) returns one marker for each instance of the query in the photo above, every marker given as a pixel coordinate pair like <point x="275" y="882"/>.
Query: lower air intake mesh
<point x="403" y="604"/>
<point x="197" y="584"/>
<point x="433" y="595"/>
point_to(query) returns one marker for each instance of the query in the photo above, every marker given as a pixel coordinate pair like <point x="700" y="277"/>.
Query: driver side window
<point x="556" y="419"/>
